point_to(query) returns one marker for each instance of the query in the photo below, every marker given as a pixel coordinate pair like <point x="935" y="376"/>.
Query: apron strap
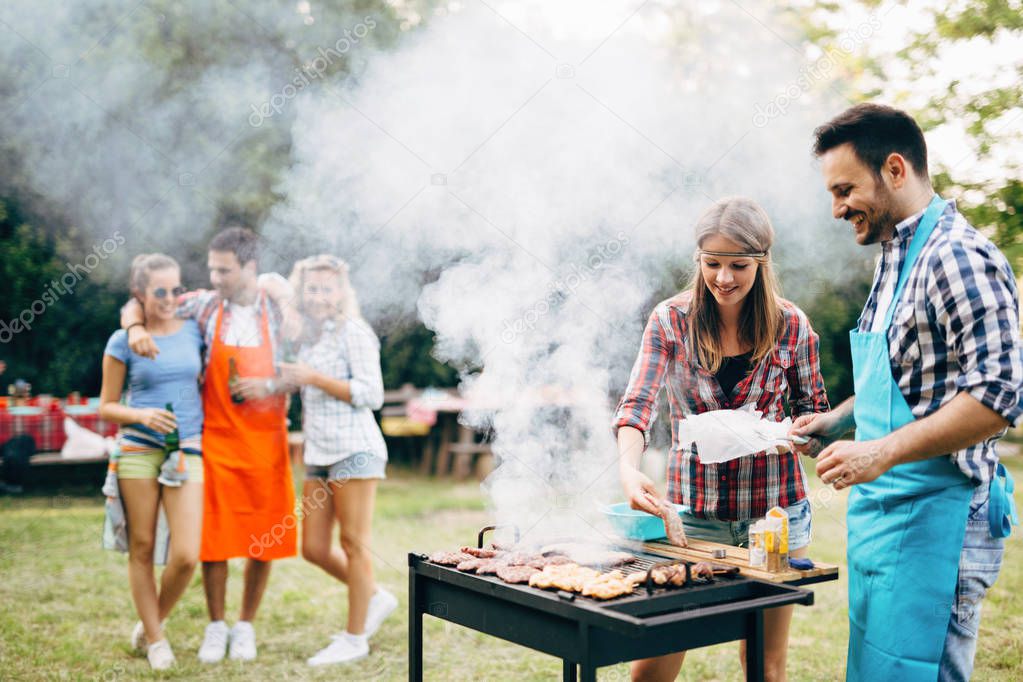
<point x="924" y="229"/>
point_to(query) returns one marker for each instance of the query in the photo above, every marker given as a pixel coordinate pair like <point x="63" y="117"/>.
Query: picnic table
<point x="46" y="428"/>
<point x="449" y="446"/>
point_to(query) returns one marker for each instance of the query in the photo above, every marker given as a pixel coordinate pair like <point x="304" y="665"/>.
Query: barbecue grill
<point x="588" y="633"/>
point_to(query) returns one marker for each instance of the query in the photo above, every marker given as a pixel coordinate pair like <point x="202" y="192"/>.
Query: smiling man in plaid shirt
<point x="938" y="374"/>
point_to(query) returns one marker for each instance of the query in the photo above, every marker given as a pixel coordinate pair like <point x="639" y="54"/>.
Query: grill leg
<point x="755" y="646"/>
<point x="415" y="632"/>
<point x="568" y="671"/>
<point x="587" y="673"/>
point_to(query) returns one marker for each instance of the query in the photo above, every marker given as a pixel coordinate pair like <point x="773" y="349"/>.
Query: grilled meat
<point x="569" y="577"/>
<point x="588" y="555"/>
<point x="702" y="569"/>
<point x="471" y="564"/>
<point x="489" y="566"/>
<point x="673" y="526"/>
<point x="516" y="574"/>
<point x="607" y="586"/>
<point x="542" y="562"/>
<point x="449" y="558"/>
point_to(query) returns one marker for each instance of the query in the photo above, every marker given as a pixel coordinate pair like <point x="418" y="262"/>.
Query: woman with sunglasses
<point x="338" y="371"/>
<point x="172" y="378"/>
<point x="729" y="341"/>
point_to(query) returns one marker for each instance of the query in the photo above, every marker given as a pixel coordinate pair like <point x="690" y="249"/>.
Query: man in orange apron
<point x="249" y="508"/>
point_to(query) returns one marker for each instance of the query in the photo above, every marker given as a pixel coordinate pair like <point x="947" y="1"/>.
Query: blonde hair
<point x="145" y="264"/>
<point x="744" y="222"/>
<point x="349" y="309"/>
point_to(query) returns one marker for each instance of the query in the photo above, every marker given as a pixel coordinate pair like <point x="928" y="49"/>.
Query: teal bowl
<point x="635" y="524"/>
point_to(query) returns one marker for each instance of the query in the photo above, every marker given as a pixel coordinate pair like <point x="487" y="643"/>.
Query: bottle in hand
<point x="172" y="473"/>
<point x="232" y="382"/>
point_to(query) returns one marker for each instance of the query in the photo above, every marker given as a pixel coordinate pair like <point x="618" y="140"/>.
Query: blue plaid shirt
<point x="956" y="327"/>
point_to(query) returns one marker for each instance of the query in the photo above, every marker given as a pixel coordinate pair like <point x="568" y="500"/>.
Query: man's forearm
<point x="843" y="415"/>
<point x="963" y="422"/>
<point x="132" y="313"/>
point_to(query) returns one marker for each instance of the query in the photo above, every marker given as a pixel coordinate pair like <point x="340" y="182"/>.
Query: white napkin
<point x="723" y="435"/>
<point x="84" y="443"/>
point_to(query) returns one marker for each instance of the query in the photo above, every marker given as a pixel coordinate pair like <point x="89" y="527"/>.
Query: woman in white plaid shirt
<point x="338" y="371"/>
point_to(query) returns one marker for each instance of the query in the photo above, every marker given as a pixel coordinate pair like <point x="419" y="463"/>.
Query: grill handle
<point x="479" y="538"/>
<point x="670" y="562"/>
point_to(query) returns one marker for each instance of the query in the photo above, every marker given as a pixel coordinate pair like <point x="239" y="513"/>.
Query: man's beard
<point x="880" y="218"/>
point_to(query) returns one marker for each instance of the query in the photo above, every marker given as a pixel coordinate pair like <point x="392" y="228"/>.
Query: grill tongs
<point x="690" y="580"/>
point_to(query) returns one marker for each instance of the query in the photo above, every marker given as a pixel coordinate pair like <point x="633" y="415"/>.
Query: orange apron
<point x="249" y="508"/>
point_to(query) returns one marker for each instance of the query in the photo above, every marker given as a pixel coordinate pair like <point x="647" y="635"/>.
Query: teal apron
<point x="906" y="528"/>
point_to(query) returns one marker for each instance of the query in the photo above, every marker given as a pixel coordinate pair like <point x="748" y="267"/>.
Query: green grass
<point x="65" y="611"/>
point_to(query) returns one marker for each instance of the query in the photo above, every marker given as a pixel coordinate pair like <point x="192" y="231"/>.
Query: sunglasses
<point x="161" y="292"/>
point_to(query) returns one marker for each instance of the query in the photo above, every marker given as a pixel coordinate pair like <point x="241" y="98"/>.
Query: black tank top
<point x="733" y="369"/>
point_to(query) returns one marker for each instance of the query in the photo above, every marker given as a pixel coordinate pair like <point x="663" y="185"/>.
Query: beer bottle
<point x="290" y="351"/>
<point x="232" y="382"/>
<point x="172" y="441"/>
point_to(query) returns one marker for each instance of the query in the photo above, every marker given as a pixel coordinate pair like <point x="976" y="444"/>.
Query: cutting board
<point x="702" y="550"/>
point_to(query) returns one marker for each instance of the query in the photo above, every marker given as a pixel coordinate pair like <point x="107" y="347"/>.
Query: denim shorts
<point x="147" y="465"/>
<point x="359" y="465"/>
<point x="979" y="563"/>
<point x="736" y="533"/>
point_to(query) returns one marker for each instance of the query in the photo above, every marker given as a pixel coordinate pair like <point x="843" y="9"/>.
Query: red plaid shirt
<point x="742" y="488"/>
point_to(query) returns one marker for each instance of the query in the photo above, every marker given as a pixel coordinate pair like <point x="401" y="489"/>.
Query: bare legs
<point x="214" y="580"/>
<point x="183" y="507"/>
<point x="350" y="503"/>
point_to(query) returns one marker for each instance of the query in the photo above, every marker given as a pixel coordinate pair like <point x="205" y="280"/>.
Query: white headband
<point x="733" y="254"/>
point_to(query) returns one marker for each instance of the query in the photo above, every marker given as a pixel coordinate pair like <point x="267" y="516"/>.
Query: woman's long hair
<point x="300" y="324"/>
<point x="744" y="222"/>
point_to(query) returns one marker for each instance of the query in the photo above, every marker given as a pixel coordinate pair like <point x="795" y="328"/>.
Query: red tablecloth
<point x="48" y="428"/>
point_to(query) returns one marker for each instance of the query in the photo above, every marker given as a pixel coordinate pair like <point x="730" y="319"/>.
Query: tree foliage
<point x="65" y="328"/>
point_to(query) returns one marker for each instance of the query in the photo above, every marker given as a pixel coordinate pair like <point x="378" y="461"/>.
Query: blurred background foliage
<point x="37" y="241"/>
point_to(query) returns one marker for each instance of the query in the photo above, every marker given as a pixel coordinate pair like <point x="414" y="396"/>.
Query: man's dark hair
<point x="241" y="241"/>
<point x="875" y="131"/>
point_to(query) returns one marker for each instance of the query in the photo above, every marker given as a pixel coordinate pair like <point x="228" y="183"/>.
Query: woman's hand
<point x="158" y="420"/>
<point x="297" y="373"/>
<point x="639" y="490"/>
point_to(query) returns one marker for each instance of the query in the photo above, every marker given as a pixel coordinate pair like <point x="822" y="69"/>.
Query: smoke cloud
<point x="522" y="176"/>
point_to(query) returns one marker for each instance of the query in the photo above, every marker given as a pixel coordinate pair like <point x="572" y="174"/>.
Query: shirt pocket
<point x="905" y="334"/>
<point x="776" y="372"/>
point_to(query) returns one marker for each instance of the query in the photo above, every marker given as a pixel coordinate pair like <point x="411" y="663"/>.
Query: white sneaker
<point x="344" y="648"/>
<point x="138" y="636"/>
<point x="160" y="655"/>
<point x="243" y="642"/>
<point x="214" y="643"/>
<point x="381" y="605"/>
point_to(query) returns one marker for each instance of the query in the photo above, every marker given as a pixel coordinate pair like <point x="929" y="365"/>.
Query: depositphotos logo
<point x="62" y="286"/>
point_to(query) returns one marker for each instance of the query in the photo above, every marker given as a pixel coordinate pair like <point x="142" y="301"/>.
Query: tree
<point x="927" y="75"/>
<point x="44" y="298"/>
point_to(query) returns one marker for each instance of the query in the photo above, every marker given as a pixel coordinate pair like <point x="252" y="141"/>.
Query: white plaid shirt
<point x="334" y="429"/>
<point x="956" y="327"/>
